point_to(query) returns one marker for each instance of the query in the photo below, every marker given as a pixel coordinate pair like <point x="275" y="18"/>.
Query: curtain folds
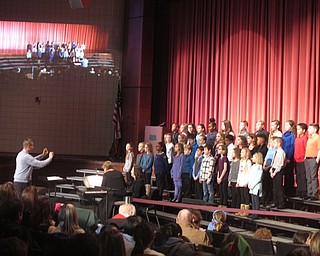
<point x="244" y="60"/>
<point x="14" y="36"/>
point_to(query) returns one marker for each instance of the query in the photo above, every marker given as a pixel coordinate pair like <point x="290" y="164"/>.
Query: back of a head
<point x="127" y="210"/>
<point x="13" y="246"/>
<point x="83" y="245"/>
<point x="167" y="231"/>
<point x="29" y="197"/>
<point x="130" y="224"/>
<point x="7" y="191"/>
<point x="143" y="237"/>
<point x="262" y="233"/>
<point x="184" y="215"/>
<point x="300" y="237"/>
<point x="11" y="210"/>
<point x="68" y="215"/>
<point x="111" y="242"/>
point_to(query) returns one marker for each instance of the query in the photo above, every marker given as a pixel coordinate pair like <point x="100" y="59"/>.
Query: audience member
<point x="315" y="244"/>
<point x="262" y="233"/>
<point x="169" y="241"/>
<point x="111" y="242"/>
<point x="129" y="227"/>
<point x="235" y="245"/>
<point x="68" y="221"/>
<point x="218" y="222"/>
<point x="196" y="236"/>
<point x="125" y="210"/>
<point x="13" y="246"/>
<point x="301" y="237"/>
<point x="144" y="236"/>
<point x="196" y="219"/>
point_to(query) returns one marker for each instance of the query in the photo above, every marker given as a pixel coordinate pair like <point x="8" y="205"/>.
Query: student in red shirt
<point x="300" y="145"/>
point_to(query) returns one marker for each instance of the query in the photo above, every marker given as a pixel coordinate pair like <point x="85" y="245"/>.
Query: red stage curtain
<point x="244" y="60"/>
<point x="14" y="36"/>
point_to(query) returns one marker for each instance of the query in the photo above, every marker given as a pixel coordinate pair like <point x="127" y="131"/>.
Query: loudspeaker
<point x="76" y="4"/>
<point x="86" y="218"/>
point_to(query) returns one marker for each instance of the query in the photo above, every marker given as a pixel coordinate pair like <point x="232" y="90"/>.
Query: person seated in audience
<point x="125" y="211"/>
<point x="29" y="198"/>
<point x="84" y="244"/>
<point x="129" y="227"/>
<point x="111" y="242"/>
<point x="7" y="192"/>
<point x="218" y="222"/>
<point x="169" y="241"/>
<point x="196" y="236"/>
<point x="68" y="221"/>
<point x="13" y="246"/>
<point x="144" y="236"/>
<point x="300" y="251"/>
<point x="235" y="245"/>
<point x="315" y="244"/>
<point x="262" y="233"/>
<point x="41" y="219"/>
<point x="138" y="187"/>
<point x="196" y="219"/>
<point x="301" y="237"/>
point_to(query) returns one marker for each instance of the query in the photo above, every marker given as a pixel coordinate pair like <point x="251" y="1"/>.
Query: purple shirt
<point x="221" y="162"/>
<point x="176" y="167"/>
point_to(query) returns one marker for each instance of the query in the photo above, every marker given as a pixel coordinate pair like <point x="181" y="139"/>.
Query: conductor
<point x="25" y="164"/>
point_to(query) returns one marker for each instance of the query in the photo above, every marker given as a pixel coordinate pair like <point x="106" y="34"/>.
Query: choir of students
<point x="261" y="164"/>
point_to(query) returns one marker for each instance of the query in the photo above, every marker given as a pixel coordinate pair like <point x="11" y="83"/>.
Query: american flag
<point x="116" y="120"/>
<point x="117" y="116"/>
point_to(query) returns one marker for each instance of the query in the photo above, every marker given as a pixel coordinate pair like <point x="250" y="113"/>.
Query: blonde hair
<point x="68" y="217"/>
<point x="247" y="153"/>
<point x="27" y="142"/>
<point x="149" y="146"/>
<point x="220" y="218"/>
<point x="259" y="158"/>
<point x="315" y="244"/>
<point x="107" y="164"/>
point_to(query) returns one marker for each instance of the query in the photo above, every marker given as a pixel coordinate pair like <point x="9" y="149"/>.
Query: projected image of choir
<point x="56" y="51"/>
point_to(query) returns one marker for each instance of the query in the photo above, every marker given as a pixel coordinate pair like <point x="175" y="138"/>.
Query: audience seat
<point x="216" y="238"/>
<point x="284" y="248"/>
<point x="260" y="247"/>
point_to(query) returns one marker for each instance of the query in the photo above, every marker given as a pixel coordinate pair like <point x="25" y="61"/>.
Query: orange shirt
<point x="313" y="145"/>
